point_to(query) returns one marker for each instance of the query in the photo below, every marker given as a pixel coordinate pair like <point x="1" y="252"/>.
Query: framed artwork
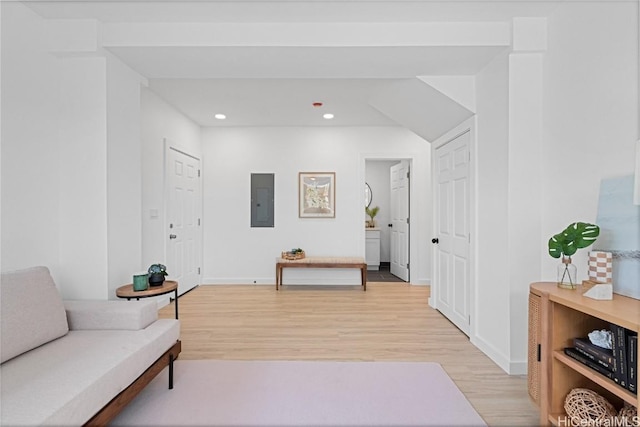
<point x="619" y="221"/>
<point x="317" y="194"/>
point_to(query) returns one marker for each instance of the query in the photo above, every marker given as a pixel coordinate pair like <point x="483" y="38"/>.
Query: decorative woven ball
<point x="628" y="416"/>
<point x="584" y="404"/>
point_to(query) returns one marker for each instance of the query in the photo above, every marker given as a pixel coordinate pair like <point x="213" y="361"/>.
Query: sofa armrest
<point x="101" y="315"/>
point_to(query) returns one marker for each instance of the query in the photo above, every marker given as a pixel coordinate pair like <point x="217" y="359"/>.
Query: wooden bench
<point x="322" y="262"/>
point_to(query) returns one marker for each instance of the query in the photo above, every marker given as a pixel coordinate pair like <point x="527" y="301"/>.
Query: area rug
<point x="301" y="393"/>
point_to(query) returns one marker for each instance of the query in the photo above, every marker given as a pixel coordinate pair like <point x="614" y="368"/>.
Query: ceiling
<point x="276" y="85"/>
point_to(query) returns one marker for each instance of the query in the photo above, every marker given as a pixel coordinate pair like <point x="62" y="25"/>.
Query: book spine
<point x="619" y="340"/>
<point x="595" y="359"/>
<point x="573" y="353"/>
<point x="599" y="353"/>
<point x="633" y="363"/>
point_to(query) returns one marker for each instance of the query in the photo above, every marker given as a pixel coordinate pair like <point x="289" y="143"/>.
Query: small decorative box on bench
<point x="292" y="255"/>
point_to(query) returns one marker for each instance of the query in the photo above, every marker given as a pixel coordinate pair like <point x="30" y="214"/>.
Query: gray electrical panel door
<point x="262" y="196"/>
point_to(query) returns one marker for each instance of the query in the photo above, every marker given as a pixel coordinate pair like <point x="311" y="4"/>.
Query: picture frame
<point x="317" y="194"/>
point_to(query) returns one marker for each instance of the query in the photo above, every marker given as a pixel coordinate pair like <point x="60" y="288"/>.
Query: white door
<point x="452" y="240"/>
<point x="183" y="219"/>
<point x="399" y="175"/>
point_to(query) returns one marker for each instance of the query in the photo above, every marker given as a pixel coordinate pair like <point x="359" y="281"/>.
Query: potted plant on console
<point x="372" y="212"/>
<point x="157" y="273"/>
<point x="577" y="235"/>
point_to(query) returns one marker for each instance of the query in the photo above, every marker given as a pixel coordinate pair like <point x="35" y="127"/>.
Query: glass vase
<point x="567" y="274"/>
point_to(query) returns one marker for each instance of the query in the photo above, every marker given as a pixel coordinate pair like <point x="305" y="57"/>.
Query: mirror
<point x="368" y="195"/>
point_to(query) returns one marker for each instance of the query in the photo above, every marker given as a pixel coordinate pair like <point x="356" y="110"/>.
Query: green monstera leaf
<point x="576" y="236"/>
<point x="555" y="245"/>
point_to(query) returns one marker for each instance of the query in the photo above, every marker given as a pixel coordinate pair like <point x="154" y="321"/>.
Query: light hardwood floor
<point x="390" y="321"/>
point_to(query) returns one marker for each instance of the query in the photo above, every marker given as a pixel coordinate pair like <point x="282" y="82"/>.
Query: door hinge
<point x="407" y="220"/>
<point x="407" y="174"/>
<point x="539" y="353"/>
<point x="198" y="222"/>
<point x="198" y="270"/>
<point x="408" y="265"/>
<point x="198" y="173"/>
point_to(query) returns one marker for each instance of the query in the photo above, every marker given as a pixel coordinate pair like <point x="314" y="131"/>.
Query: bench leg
<point x="364" y="277"/>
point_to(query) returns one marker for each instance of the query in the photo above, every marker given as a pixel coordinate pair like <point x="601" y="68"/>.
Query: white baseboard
<point x="509" y="366"/>
<point x="238" y="281"/>
<point x="498" y="358"/>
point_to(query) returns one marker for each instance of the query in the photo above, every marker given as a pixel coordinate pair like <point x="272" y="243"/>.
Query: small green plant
<point x="372" y="212"/>
<point x="157" y="269"/>
<point x="296" y="250"/>
<point x="576" y="236"/>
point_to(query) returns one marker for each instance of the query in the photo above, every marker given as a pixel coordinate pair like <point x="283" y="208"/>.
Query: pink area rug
<point x="300" y="393"/>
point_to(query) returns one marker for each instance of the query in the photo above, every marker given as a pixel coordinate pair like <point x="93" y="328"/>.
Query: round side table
<point x="168" y="286"/>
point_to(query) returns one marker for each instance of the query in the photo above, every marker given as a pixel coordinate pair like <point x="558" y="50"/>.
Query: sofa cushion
<point x="31" y="309"/>
<point x="67" y="381"/>
<point x="96" y="315"/>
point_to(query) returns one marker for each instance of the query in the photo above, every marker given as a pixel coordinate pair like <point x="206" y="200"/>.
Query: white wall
<point x="30" y="182"/>
<point x="82" y="126"/>
<point x="236" y="253"/>
<point x="160" y="122"/>
<point x="70" y="159"/>
<point x="124" y="174"/>
<point x="378" y="175"/>
<point x="491" y="326"/>
<point x="589" y="125"/>
<point x="590" y="115"/>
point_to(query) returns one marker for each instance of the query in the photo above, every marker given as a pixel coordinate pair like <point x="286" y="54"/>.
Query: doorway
<point x="389" y="184"/>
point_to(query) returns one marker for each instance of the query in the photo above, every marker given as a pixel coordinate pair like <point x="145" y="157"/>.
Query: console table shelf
<point x="556" y="317"/>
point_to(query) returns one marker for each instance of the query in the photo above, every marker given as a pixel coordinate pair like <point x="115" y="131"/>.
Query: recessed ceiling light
<point x="220" y="116"/>
<point x="328" y="116"/>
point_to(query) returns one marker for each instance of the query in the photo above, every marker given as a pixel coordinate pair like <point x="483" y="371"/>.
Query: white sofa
<point x="75" y="362"/>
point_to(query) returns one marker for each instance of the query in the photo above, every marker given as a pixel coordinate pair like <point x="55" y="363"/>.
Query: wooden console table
<point x="322" y="262"/>
<point x="556" y="317"/>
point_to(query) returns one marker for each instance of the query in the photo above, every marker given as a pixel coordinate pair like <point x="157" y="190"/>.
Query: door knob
<point x="435" y="240"/>
<point x="172" y="236"/>
<point x="390" y="225"/>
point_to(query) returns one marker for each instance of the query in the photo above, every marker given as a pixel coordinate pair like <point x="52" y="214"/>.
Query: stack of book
<point x="619" y="364"/>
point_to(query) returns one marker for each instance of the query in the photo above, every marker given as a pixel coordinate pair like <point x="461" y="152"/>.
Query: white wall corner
<point x="419" y="107"/>
<point x="72" y="35"/>
<point x="529" y="34"/>
<point x="461" y="89"/>
<point x="518" y="368"/>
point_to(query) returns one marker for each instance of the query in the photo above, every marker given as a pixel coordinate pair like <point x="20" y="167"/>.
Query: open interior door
<point x="399" y="176"/>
